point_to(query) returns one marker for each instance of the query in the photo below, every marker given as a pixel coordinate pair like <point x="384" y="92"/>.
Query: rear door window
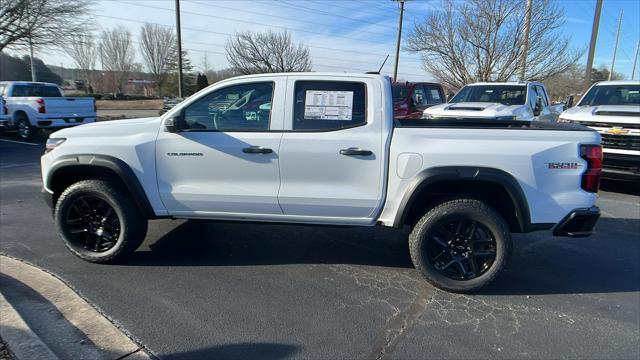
<point x="328" y="105"/>
<point x="433" y="94"/>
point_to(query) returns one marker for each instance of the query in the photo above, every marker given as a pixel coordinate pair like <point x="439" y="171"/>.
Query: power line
<point x="254" y="23"/>
<point x="231" y="34"/>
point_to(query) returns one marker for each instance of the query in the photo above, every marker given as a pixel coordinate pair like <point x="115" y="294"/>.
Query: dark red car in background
<point x="410" y="99"/>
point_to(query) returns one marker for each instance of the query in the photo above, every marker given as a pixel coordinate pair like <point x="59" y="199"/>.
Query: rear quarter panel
<point x="523" y="153"/>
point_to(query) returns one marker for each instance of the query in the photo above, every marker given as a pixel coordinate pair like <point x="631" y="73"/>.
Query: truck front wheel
<point x="460" y="245"/>
<point x="98" y="222"/>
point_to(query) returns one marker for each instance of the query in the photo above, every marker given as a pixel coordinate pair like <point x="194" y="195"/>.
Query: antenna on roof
<point x="381" y="66"/>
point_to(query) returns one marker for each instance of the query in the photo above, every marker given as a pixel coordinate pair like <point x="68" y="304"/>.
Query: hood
<point x="480" y="110"/>
<point x="621" y="114"/>
<point x="109" y="128"/>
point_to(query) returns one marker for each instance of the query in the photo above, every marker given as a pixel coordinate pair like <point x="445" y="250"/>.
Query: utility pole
<point x="635" y="60"/>
<point x="592" y="44"/>
<point x="527" y="28"/>
<point x="179" y="38"/>
<point x="615" y="48"/>
<point x="395" y="68"/>
<point x="33" y="65"/>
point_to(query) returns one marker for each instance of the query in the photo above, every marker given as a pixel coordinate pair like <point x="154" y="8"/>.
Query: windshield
<point x="400" y="92"/>
<point x="503" y="94"/>
<point x="612" y="95"/>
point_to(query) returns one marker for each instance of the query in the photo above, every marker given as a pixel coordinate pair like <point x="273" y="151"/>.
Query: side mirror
<point x="173" y="124"/>
<point x="570" y="101"/>
<point x="538" y="109"/>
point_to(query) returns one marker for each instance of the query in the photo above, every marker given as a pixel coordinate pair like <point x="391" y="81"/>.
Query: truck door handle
<point x="355" y="152"/>
<point x="256" y="150"/>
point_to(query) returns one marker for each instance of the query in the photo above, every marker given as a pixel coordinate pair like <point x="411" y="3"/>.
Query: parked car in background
<point x="168" y="103"/>
<point x="4" y="118"/>
<point x="613" y="109"/>
<point x="526" y="101"/>
<point x="411" y="99"/>
<point x="323" y="148"/>
<point x="32" y="106"/>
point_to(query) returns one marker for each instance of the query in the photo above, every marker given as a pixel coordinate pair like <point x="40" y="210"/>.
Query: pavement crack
<point x="395" y="329"/>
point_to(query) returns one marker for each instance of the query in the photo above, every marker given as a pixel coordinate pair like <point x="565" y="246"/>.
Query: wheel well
<point x="20" y="112"/>
<point x="494" y="194"/>
<point x="66" y="176"/>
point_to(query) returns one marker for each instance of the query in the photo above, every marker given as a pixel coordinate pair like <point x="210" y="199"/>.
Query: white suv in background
<point x="613" y="109"/>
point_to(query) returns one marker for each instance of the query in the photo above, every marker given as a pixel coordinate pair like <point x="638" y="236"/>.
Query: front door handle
<point x="355" y="152"/>
<point x="256" y="150"/>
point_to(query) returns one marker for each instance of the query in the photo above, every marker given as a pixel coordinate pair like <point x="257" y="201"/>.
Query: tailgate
<point x="64" y="107"/>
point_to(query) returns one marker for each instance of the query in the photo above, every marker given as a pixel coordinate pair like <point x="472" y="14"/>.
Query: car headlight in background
<point x="52" y="143"/>
<point x="427" y="116"/>
<point x="563" y="120"/>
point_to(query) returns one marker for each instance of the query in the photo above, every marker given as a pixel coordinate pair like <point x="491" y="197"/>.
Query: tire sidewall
<point x="490" y="221"/>
<point x="62" y="208"/>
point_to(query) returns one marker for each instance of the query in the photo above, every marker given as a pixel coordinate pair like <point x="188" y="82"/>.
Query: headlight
<point x="563" y="120"/>
<point x="427" y="116"/>
<point x="53" y="143"/>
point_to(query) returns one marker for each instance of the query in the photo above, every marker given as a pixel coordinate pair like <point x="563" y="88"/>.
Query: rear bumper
<point x="64" y="122"/>
<point x="579" y="223"/>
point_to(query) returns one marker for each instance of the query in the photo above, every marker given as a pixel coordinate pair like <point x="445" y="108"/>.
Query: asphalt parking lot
<point x="230" y="290"/>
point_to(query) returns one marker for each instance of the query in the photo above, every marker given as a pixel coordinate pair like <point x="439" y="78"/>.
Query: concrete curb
<point x="47" y="317"/>
<point x="20" y="339"/>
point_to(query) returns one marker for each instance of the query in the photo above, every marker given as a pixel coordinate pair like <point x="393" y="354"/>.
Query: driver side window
<point x="245" y="107"/>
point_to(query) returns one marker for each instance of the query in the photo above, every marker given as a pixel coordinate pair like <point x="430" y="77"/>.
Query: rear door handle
<point x="256" y="150"/>
<point x="355" y="152"/>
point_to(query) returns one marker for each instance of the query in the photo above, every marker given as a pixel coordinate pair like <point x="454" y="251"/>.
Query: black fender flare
<point x="470" y="173"/>
<point x="119" y="167"/>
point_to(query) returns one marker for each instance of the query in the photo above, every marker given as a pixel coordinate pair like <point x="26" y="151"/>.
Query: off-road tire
<point x="475" y="210"/>
<point x="133" y="226"/>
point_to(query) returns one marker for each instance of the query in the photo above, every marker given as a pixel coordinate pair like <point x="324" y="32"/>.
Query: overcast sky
<point x="343" y="35"/>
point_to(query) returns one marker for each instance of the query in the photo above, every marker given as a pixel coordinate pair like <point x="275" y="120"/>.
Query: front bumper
<point x="48" y="198"/>
<point x="579" y="223"/>
<point x="621" y="166"/>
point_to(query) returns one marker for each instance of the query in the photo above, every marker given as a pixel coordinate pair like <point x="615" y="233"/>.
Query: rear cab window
<point x="22" y="90"/>
<point x="328" y="105"/>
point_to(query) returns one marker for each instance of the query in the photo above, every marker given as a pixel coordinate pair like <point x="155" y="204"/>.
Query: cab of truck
<point x="410" y="100"/>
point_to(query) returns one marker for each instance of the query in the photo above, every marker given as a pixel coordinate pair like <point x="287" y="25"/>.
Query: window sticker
<point x="435" y="94"/>
<point x="328" y="105"/>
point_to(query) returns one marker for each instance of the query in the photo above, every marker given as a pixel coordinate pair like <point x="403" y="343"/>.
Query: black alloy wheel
<point x="92" y="224"/>
<point x="461" y="249"/>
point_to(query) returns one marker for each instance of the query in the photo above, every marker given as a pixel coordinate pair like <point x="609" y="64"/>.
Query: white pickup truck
<point x="522" y="101"/>
<point x="323" y="148"/>
<point x="35" y="105"/>
<point x="613" y="109"/>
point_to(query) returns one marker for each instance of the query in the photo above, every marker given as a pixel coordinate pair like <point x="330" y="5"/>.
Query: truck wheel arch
<point x="430" y="182"/>
<point x="72" y="168"/>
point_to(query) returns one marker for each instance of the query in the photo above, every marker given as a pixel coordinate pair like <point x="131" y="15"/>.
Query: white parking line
<point x="2" y="167"/>
<point x="19" y="142"/>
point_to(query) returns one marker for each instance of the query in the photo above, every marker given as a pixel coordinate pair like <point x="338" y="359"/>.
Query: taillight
<point x="41" y="108"/>
<point x="591" y="177"/>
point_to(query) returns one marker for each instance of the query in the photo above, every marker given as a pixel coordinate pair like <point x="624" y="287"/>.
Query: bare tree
<point x="46" y="23"/>
<point x="270" y="52"/>
<point x="116" y="54"/>
<point x="84" y="52"/>
<point x="482" y="40"/>
<point x="158" y="47"/>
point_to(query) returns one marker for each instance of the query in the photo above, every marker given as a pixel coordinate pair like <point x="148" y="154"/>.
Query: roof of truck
<point x="507" y="83"/>
<point x="619" y="82"/>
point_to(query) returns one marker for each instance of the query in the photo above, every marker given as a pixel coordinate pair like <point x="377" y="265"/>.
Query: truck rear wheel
<point x="460" y="245"/>
<point x="25" y="130"/>
<point x="98" y="222"/>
